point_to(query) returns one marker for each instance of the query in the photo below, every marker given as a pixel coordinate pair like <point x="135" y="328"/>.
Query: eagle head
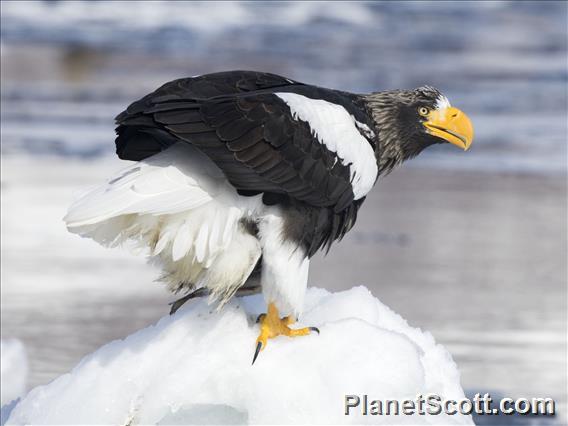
<point x="408" y="121"/>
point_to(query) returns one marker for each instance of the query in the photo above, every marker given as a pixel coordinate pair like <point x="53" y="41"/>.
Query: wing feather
<point x="172" y="182"/>
<point x="183" y="241"/>
<point x="177" y="203"/>
<point x="248" y="131"/>
<point x="201" y="242"/>
<point x="266" y="134"/>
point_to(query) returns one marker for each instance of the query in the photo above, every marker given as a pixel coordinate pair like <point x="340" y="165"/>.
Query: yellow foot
<point x="271" y="326"/>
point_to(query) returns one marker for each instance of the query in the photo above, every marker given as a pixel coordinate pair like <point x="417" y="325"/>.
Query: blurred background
<point x="469" y="246"/>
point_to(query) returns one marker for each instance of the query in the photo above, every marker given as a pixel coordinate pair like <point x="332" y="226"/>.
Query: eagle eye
<point x="423" y="111"/>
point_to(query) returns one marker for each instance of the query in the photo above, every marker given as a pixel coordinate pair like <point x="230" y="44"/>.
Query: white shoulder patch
<point x="337" y="130"/>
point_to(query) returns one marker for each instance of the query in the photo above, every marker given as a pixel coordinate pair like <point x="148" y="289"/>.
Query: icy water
<point x="471" y="247"/>
<point x="503" y="63"/>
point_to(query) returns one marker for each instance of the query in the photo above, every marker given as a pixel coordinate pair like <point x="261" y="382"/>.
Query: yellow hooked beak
<point x="452" y="125"/>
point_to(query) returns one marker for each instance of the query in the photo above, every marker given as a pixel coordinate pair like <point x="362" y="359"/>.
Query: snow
<point x="13" y="370"/>
<point x="195" y="367"/>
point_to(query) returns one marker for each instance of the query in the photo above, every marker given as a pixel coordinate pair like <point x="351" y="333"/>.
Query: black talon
<point x="315" y="329"/>
<point x="178" y="304"/>
<point x="258" y="318"/>
<point x="256" y="352"/>
<point x="200" y="292"/>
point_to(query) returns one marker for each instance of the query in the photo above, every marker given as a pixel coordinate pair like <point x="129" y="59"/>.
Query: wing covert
<point x="239" y="121"/>
<point x="262" y="136"/>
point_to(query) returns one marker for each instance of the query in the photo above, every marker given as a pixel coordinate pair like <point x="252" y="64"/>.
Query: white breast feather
<point x="337" y="130"/>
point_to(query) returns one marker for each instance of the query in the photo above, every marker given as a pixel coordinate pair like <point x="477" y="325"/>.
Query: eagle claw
<point x="271" y="325"/>
<point x="256" y="352"/>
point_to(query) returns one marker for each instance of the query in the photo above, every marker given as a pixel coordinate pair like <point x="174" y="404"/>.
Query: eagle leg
<point x="271" y="325"/>
<point x="201" y="292"/>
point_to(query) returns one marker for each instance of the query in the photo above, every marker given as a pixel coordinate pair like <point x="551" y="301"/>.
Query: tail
<point x="178" y="208"/>
<point x="134" y="200"/>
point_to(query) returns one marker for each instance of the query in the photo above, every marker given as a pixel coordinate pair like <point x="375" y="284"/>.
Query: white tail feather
<point x="178" y="206"/>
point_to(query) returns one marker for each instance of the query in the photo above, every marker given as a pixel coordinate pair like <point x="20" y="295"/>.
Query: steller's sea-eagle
<point x="241" y="176"/>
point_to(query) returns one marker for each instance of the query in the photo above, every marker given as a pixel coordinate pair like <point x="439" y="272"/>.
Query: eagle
<point x="240" y="177"/>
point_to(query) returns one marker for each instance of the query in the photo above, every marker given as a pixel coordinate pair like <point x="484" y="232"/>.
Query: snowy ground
<point x="194" y="368"/>
<point x="13" y="370"/>
<point x="446" y="251"/>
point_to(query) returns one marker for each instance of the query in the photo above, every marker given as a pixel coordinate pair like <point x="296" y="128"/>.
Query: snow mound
<point x="13" y="370"/>
<point x="195" y="368"/>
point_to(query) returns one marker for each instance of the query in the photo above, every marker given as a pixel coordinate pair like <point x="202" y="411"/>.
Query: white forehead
<point x="442" y="102"/>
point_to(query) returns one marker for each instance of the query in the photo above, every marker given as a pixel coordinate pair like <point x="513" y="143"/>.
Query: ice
<point x="13" y="370"/>
<point x="195" y="368"/>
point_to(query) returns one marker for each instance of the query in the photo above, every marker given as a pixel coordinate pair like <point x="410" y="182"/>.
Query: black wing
<point x="249" y="132"/>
